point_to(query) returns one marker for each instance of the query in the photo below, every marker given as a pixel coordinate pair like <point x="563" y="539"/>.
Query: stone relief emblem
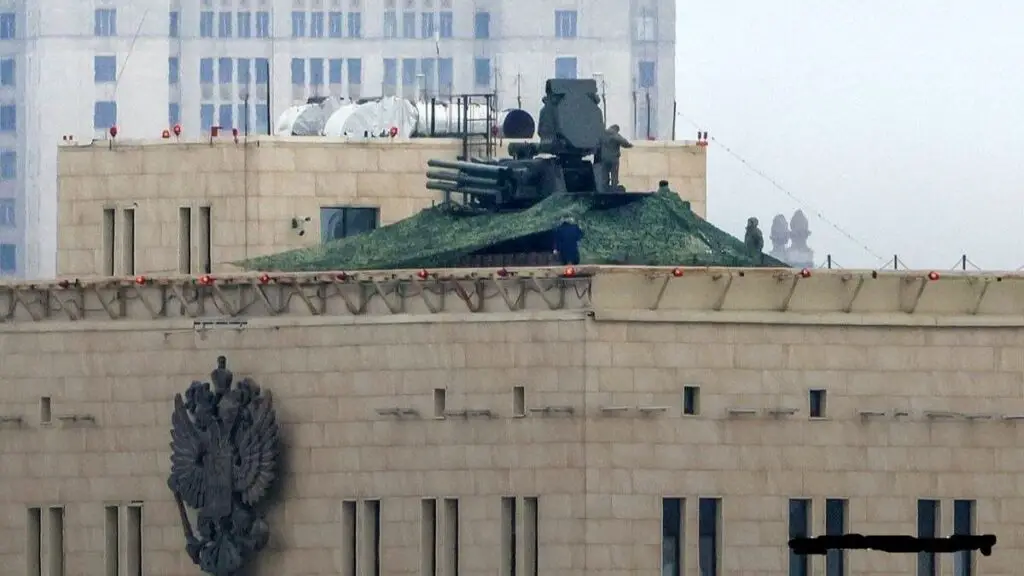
<point x="224" y="456"/>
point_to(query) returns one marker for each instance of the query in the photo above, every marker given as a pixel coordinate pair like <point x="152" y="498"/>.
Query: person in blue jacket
<point x="567" y="240"/>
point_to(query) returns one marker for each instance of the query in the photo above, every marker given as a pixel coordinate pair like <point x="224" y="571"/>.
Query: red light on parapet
<point x="176" y="129"/>
<point x="805" y="273"/>
<point x="206" y="279"/>
<point x="423" y="274"/>
<point x="502" y="273"/>
<point x="113" y="131"/>
<point x="569" y="271"/>
<point x="933" y="276"/>
<point x="64" y="284"/>
<point x="140" y="280"/>
<point x="393" y="131"/>
<point x="678" y="272"/>
<point x="264" y="278"/>
<point x="341" y="277"/>
<point x="166" y="134"/>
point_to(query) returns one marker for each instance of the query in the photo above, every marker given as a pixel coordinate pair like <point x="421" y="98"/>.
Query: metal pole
<point x="675" y="113"/>
<point x="269" y="101"/>
<point x="963" y="262"/>
<point x="648" y="104"/>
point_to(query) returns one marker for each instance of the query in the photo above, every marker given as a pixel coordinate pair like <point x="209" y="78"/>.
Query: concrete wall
<point x="254" y="191"/>
<point x="921" y="403"/>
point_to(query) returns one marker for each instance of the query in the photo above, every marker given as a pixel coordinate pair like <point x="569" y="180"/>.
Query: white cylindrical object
<point x="448" y="118"/>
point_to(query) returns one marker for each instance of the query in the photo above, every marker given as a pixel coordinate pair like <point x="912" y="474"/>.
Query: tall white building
<point x="78" y="68"/>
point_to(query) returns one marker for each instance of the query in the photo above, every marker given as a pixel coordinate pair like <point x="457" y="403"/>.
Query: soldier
<point x="611" y="150"/>
<point x="753" y="239"/>
<point x="567" y="240"/>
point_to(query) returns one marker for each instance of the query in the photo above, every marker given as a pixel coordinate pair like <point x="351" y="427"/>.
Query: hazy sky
<point x="900" y="121"/>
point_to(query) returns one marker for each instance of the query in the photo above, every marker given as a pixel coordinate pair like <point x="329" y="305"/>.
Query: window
<point x="343" y="222"/>
<point x="428" y="536"/>
<point x="799" y="527"/>
<point x="206" y="24"/>
<point x="173" y="70"/>
<point x="335" y="24"/>
<point x="672" y="536"/>
<point x="8" y="165"/>
<point x="298" y="24"/>
<point x="262" y="118"/>
<point x="482" y="25"/>
<point x="9" y="118"/>
<point x="927" y="527"/>
<point x="7" y="216"/>
<point x="408" y="25"/>
<point x="172" y="24"/>
<point x="691" y="400"/>
<point x="55" y="539"/>
<point x="390" y="71"/>
<point x="408" y="71"/>
<point x="206" y="223"/>
<point x="817" y="403"/>
<point x="104" y="22"/>
<point x="244" y="71"/>
<point x="263" y="24"/>
<point x="482" y="72"/>
<point x="963" y="525"/>
<point x="445" y="74"/>
<point x="7" y="72"/>
<point x="224" y="23"/>
<point x="185" y="235"/>
<point x="355" y="71"/>
<point x="451" y="535"/>
<point x="349" y="541"/>
<point x="45" y="412"/>
<point x="390" y="24"/>
<point x="565" y="67"/>
<point x="428" y="68"/>
<point x="225" y="114"/>
<point x="519" y="401"/>
<point x="104" y="69"/>
<point x="316" y="25"/>
<point x="371" y="533"/>
<point x="104" y="115"/>
<point x="34" y="547"/>
<point x="262" y="71"/>
<point x="428" y="24"/>
<point x="173" y="114"/>
<point x="565" y="23"/>
<point x="206" y="71"/>
<point x="445" y="24"/>
<point x="316" y="71"/>
<point x="128" y="244"/>
<point x="335" y="67"/>
<point x="508" y="536"/>
<point x="225" y="70"/>
<point x="8" y="258"/>
<point x="646" y="29"/>
<point x="8" y="27"/>
<point x="133" y="540"/>
<point x="835" y="525"/>
<point x="112" y="529"/>
<point x="298" y="72"/>
<point x="355" y="25"/>
<point x="245" y="24"/>
<point x="708" y="517"/>
<point x="205" y="117"/>
<point x="647" y="74"/>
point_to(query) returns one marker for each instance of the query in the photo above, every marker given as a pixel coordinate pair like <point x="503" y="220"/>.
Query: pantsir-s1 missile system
<point x="570" y="128"/>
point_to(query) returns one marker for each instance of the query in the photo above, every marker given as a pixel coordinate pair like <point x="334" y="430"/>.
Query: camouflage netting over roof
<point x="652" y="230"/>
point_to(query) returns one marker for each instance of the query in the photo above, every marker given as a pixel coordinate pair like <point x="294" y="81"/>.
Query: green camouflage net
<point x="653" y="230"/>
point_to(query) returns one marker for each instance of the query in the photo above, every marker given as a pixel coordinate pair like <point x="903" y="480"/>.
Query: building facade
<point x="75" y="69"/>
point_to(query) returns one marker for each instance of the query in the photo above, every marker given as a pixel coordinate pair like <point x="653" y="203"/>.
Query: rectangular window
<point x="263" y="118"/>
<point x="482" y="25"/>
<point x="835" y="525"/>
<point x="799" y="527"/>
<point x="244" y="71"/>
<point x="8" y="258"/>
<point x="9" y="118"/>
<point x="390" y="24"/>
<point x="672" y="519"/>
<point x="298" y="24"/>
<point x="927" y="527"/>
<point x="173" y="114"/>
<point x="206" y="229"/>
<point x="445" y="24"/>
<point x="55" y="539"/>
<point x="206" y="71"/>
<point x="371" y="538"/>
<point x="8" y="217"/>
<point x="440" y="400"/>
<point x="206" y="24"/>
<point x="451" y="532"/>
<point x="224" y="24"/>
<point x="104" y="69"/>
<point x="355" y="25"/>
<point x="646" y="25"/>
<point x="816" y="400"/>
<point x="133" y="537"/>
<point x="225" y="70"/>
<point x="316" y="24"/>
<point x="565" y="67"/>
<point x="531" y="536"/>
<point x="128" y="242"/>
<point x="245" y="24"/>
<point x="647" y="74"/>
<point x="316" y="71"/>
<point x="206" y="112"/>
<point x="408" y="25"/>
<point x="7" y="72"/>
<point x="428" y="24"/>
<point x="173" y="70"/>
<point x="262" y="71"/>
<point x="172" y="24"/>
<point x="112" y="529"/>
<point x="565" y="23"/>
<point x="390" y="71"/>
<point x="185" y="238"/>
<point x="343" y="222"/>
<point x="708" y="519"/>
<point x="335" y="24"/>
<point x="508" y="536"/>
<point x="105" y="22"/>
<point x="34" y="544"/>
<point x="44" y="410"/>
<point x="963" y="525"/>
<point x="428" y="68"/>
<point x="298" y="72"/>
<point x="349" y="526"/>
<point x="482" y="72"/>
<point x="8" y="26"/>
<point x="355" y="71"/>
<point x="263" y="24"/>
<point x="8" y="165"/>
<point x="109" y="238"/>
<point x="445" y="74"/>
<point x="104" y="115"/>
<point x="409" y="69"/>
<point x="428" y="537"/>
<point x="336" y="67"/>
<point x="519" y="401"/>
<point x="225" y="114"/>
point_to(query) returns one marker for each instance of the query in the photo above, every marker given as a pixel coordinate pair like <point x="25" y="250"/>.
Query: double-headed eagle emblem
<point x="224" y="449"/>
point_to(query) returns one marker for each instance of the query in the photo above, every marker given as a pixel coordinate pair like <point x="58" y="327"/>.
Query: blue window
<point x="316" y="71"/>
<point x="927" y="527"/>
<point x="672" y="517"/>
<point x="173" y="114"/>
<point x="708" y="518"/>
<point x="428" y="24"/>
<point x="206" y="71"/>
<point x="173" y="70"/>
<point x="336" y="66"/>
<point x="205" y="117"/>
<point x="445" y="74"/>
<point x="335" y="24"/>
<point x="9" y="118"/>
<point x="445" y="24"/>
<point x="104" y="69"/>
<point x="648" y="74"/>
<point x="244" y="72"/>
<point x="206" y="24"/>
<point x="565" y="67"/>
<point x="408" y="24"/>
<point x="482" y="25"/>
<point x="8" y="165"/>
<point x="355" y="25"/>
<point x="225" y="70"/>
<point x="565" y="23"/>
<point x="7" y="72"/>
<point x="482" y="72"/>
<point x="298" y="72"/>
<point x="316" y="25"/>
<point x="224" y="22"/>
<point x="391" y="24"/>
<point x="835" y="525"/>
<point x="8" y="26"/>
<point x="298" y="24"/>
<point x="245" y="24"/>
<point x="8" y="258"/>
<point x="428" y="67"/>
<point x="963" y="525"/>
<point x="263" y="24"/>
<point x="355" y="71"/>
<point x="105" y="22"/>
<point x="799" y="527"/>
<point x="390" y="71"/>
<point x="104" y="115"/>
<point x="262" y="118"/>
<point x="8" y="217"/>
<point x="408" y="71"/>
<point x="262" y="71"/>
<point x="226" y="116"/>
<point x="172" y="24"/>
